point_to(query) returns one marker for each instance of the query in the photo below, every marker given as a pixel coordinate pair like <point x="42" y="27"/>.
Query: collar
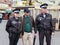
<point x="27" y="16"/>
<point x="41" y="15"/>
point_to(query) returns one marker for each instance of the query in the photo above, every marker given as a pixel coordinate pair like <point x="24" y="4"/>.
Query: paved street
<point x="5" y="41"/>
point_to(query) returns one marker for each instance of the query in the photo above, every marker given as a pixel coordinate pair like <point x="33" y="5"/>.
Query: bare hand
<point x="53" y="33"/>
<point x="35" y="35"/>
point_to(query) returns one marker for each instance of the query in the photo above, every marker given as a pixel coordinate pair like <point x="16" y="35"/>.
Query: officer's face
<point x="43" y="10"/>
<point x="16" y="14"/>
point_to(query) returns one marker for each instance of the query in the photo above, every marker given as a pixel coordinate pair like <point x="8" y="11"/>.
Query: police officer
<point x="44" y="25"/>
<point x="14" y="27"/>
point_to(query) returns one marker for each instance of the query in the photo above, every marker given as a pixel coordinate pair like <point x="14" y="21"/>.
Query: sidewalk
<point x="5" y="41"/>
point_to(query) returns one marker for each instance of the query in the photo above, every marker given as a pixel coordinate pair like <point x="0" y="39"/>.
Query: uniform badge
<point x="14" y="22"/>
<point x="19" y="22"/>
<point x="40" y="18"/>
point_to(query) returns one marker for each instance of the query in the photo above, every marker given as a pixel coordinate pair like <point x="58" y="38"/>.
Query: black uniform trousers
<point x="47" y="34"/>
<point x="13" y="38"/>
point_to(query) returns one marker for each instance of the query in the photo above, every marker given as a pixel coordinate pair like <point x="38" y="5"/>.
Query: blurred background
<point x="6" y="7"/>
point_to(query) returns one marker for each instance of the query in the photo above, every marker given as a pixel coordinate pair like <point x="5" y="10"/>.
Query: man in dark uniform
<point x="14" y="27"/>
<point x="44" y="25"/>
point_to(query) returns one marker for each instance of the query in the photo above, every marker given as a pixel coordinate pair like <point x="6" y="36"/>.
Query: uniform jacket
<point x="14" y="25"/>
<point x="44" y="23"/>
